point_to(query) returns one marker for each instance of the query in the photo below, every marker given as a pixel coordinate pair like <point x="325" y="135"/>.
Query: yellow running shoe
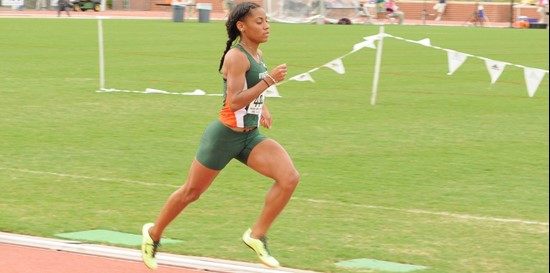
<point x="148" y="247"/>
<point x="260" y="247"/>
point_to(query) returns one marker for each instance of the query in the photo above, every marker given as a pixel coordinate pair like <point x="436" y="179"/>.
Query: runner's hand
<point x="265" y="118"/>
<point x="278" y="74"/>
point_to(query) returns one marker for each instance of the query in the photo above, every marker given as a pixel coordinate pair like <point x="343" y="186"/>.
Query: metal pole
<point x="377" y="67"/>
<point x="511" y="13"/>
<point x="321" y="19"/>
<point x="268" y="6"/>
<point x="424" y="12"/>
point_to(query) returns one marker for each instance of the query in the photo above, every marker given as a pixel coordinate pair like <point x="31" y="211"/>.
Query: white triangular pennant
<point x="367" y="43"/>
<point x="302" y="78"/>
<point x="372" y="38"/>
<point x="495" y="69"/>
<point x="155" y="91"/>
<point x="533" y="77"/>
<point x="272" y="92"/>
<point x="197" y="92"/>
<point x="370" y="43"/>
<point x="456" y="59"/>
<point x="425" y="42"/>
<point x="336" y="65"/>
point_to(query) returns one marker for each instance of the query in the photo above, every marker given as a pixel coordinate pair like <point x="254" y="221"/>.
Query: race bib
<point x="255" y="107"/>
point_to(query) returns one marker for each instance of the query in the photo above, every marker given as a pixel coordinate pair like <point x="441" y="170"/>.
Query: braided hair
<point x="237" y="14"/>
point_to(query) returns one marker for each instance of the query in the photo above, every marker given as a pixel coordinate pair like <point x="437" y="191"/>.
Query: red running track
<point x="21" y="259"/>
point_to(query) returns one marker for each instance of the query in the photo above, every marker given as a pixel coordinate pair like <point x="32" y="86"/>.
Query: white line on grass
<point x="419" y="211"/>
<point x="120" y="180"/>
<point x="415" y="211"/>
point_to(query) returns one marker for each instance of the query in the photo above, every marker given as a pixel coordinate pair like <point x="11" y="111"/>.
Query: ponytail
<point x="237" y="14"/>
<point x="229" y="43"/>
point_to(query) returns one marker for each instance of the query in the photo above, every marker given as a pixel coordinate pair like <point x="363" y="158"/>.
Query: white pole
<point x="321" y="18"/>
<point x="377" y="66"/>
<point x="268" y="4"/>
<point x="103" y="5"/>
<point x="101" y="55"/>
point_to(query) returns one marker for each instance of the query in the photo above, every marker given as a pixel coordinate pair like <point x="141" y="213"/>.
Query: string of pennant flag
<point x="533" y="76"/>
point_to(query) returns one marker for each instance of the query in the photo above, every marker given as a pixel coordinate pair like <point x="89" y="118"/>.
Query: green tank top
<point x="248" y="116"/>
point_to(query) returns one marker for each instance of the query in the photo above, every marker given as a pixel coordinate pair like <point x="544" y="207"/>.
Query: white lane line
<point x="118" y="180"/>
<point x="414" y="211"/>
<point x="419" y="211"/>
<point x="208" y="264"/>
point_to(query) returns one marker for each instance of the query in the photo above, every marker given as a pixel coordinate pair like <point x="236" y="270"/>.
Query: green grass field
<point x="374" y="179"/>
